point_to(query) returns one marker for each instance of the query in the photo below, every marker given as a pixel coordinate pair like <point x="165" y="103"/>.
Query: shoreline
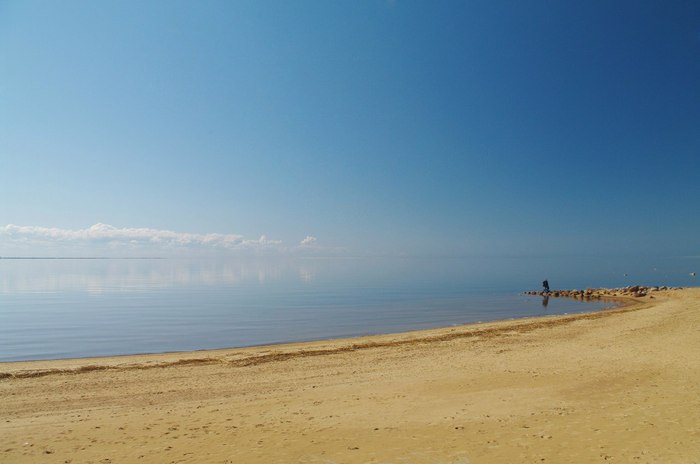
<point x="617" y="385"/>
<point x="315" y="347"/>
<point x="66" y="344"/>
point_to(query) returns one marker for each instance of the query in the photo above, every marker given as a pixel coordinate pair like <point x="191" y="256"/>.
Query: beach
<point x="617" y="385"/>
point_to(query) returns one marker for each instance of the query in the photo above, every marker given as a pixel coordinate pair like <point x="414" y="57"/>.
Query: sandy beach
<point x="619" y="385"/>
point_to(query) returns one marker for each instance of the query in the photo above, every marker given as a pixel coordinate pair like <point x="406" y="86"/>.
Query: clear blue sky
<point x="426" y="128"/>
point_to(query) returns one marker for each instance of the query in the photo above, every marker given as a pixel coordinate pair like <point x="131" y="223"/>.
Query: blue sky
<point x="371" y="127"/>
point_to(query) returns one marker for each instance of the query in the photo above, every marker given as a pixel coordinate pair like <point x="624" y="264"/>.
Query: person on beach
<point x="545" y="284"/>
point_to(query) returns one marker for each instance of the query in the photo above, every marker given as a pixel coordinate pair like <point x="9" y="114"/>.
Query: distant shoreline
<point x="75" y="257"/>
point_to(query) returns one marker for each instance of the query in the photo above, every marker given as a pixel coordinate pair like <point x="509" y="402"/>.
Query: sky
<point x="407" y="128"/>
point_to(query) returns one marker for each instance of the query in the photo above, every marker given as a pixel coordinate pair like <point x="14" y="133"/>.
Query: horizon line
<point x="82" y="257"/>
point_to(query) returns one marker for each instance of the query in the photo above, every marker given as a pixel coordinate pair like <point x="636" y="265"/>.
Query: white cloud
<point x="308" y="241"/>
<point x="106" y="240"/>
<point x="263" y="241"/>
<point x="104" y="232"/>
<point x="104" y="237"/>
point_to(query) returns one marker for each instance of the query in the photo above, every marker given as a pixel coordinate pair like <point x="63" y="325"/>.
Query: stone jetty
<point x="636" y="291"/>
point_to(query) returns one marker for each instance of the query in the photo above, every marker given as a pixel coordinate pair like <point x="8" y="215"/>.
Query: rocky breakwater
<point x="636" y="291"/>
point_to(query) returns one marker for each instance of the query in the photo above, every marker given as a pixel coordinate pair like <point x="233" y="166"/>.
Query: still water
<point x="73" y="308"/>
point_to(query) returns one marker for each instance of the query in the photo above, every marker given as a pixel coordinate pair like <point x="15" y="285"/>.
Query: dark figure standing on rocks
<point x="545" y="284"/>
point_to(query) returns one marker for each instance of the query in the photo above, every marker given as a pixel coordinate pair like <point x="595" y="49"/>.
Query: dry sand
<point x="614" y="386"/>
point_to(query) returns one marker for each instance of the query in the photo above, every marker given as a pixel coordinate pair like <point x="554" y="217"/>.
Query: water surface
<point x="74" y="308"/>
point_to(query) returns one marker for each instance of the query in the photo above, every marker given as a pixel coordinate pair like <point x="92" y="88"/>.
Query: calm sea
<point x="51" y="308"/>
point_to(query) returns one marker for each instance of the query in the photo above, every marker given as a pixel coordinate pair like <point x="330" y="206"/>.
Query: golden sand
<point x="618" y="386"/>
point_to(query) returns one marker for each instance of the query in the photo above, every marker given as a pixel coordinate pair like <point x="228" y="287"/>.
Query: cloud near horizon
<point x="104" y="237"/>
<point x="308" y="241"/>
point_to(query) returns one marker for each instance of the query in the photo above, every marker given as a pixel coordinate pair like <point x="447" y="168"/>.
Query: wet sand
<point x="618" y="385"/>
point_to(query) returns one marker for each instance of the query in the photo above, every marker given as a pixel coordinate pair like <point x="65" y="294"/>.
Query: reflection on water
<point x="100" y="276"/>
<point x="70" y="308"/>
<point x="138" y="275"/>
